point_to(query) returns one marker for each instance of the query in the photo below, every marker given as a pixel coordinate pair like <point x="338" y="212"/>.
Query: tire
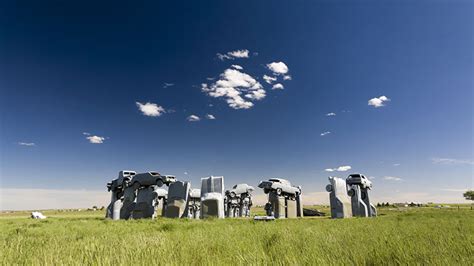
<point x="159" y="183"/>
<point x="329" y="188"/>
<point x="351" y="192"/>
<point x="278" y="191"/>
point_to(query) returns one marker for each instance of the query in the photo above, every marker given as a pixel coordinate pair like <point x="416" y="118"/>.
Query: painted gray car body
<point x="358" y="189"/>
<point x="178" y="194"/>
<point x="194" y="203"/>
<point x="141" y="196"/>
<point x="238" y="201"/>
<point x="212" y="197"/>
<point x="117" y="188"/>
<point x="284" y="199"/>
<point x="280" y="185"/>
<point x="338" y="198"/>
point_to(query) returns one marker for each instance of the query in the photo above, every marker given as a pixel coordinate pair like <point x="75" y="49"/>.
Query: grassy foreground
<point x="408" y="236"/>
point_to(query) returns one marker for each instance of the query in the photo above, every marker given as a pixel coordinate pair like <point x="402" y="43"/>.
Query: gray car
<point x="358" y="179"/>
<point x="153" y="178"/>
<point x="280" y="185"/>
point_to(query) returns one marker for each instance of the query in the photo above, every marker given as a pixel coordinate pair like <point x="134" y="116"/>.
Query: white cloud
<point x="392" y="178"/>
<point x="451" y="161"/>
<point x="325" y="133"/>
<point x="95" y="139"/>
<point x="269" y="79"/>
<point x="86" y="133"/>
<point x="150" y="109"/>
<point x="331" y="114"/>
<point x="286" y="77"/>
<point x="378" y="102"/>
<point x="396" y="164"/>
<point x="211" y="117"/>
<point x="166" y="85"/>
<point x="278" y="86"/>
<point x="223" y="57"/>
<point x="239" y="53"/>
<point x="244" y="53"/>
<point x="231" y="85"/>
<point x="237" y="67"/>
<point x="256" y="94"/>
<point x="210" y="78"/>
<point x="278" y="68"/>
<point x="343" y="168"/>
<point x="26" y="144"/>
<point x="193" y="118"/>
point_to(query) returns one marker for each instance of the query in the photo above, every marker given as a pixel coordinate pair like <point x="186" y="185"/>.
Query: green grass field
<point x="398" y="236"/>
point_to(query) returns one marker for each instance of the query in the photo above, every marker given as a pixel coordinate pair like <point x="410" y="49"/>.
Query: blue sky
<point x="76" y="70"/>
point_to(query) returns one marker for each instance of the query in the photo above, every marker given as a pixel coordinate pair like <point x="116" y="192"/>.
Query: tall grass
<point x="414" y="236"/>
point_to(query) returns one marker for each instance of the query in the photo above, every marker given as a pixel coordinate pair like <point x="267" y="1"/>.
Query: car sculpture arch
<point x="284" y="199"/>
<point x="358" y="187"/>
<point x="239" y="201"/>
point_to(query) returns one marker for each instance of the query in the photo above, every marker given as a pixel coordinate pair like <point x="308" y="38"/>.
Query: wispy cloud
<point x="331" y="114"/>
<point x="150" y="109"/>
<point x="343" y="168"/>
<point x="325" y="133"/>
<point x="269" y="79"/>
<point x="451" y="161"/>
<point x="278" y="86"/>
<point x="29" y="144"/>
<point x="278" y="68"/>
<point x="392" y="178"/>
<point x="210" y="117"/>
<point x="237" y="67"/>
<point x="378" y="102"/>
<point x="238" y="88"/>
<point x="166" y="85"/>
<point x="286" y="77"/>
<point x="86" y="133"/>
<point x="244" y="53"/>
<point x="193" y="118"/>
<point x="95" y="139"/>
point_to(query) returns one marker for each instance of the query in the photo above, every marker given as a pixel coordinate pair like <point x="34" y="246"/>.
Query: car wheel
<point x="278" y="191"/>
<point x="159" y="183"/>
<point x="351" y="193"/>
<point x="329" y="188"/>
